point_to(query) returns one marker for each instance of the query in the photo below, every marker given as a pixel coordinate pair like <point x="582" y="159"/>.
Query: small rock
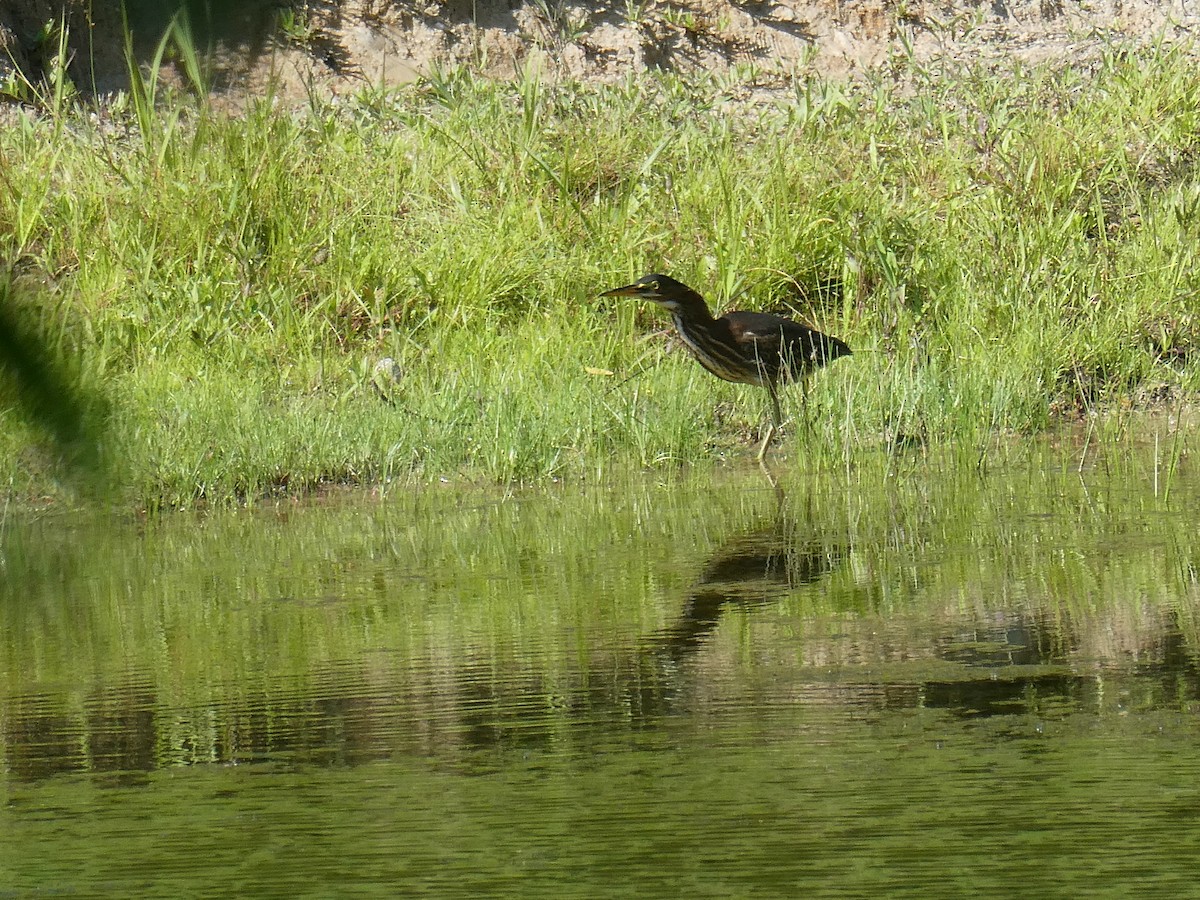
<point x="385" y="378"/>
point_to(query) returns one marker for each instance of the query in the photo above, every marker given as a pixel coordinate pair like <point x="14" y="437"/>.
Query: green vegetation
<point x="998" y="249"/>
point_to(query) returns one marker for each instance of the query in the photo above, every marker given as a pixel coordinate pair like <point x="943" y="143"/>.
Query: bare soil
<point x="337" y="46"/>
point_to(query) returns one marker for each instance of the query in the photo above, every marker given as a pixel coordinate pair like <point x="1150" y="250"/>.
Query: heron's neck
<point x="692" y="311"/>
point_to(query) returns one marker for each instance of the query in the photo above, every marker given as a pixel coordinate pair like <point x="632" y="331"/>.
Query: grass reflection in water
<point x="972" y="681"/>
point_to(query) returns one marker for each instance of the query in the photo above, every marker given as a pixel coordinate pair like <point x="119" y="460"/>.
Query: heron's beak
<point x="643" y="290"/>
<point x="629" y="290"/>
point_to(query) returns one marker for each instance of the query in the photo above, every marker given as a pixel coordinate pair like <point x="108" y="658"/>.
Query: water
<point x="905" y="680"/>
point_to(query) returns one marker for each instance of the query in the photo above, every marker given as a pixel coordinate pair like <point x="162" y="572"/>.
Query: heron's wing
<point x="783" y="345"/>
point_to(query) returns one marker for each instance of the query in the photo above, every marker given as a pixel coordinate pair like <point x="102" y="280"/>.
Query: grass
<point x="1000" y="249"/>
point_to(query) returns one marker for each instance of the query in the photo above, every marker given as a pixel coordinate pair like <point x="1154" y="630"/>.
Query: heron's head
<point x="661" y="289"/>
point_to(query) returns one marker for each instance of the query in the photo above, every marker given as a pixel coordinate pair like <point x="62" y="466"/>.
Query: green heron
<point x="744" y="347"/>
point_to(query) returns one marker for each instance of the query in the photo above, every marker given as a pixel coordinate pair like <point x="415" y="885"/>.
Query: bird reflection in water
<point x="748" y="571"/>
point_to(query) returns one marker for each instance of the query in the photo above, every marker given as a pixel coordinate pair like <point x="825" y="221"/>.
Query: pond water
<point x="906" y="679"/>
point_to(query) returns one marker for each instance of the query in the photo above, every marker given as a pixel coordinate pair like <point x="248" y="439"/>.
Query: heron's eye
<point x="652" y="286"/>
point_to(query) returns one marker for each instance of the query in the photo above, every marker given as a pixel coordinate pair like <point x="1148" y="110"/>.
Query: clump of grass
<point x="998" y="251"/>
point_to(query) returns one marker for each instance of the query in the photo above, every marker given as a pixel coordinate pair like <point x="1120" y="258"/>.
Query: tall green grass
<point x="1000" y="249"/>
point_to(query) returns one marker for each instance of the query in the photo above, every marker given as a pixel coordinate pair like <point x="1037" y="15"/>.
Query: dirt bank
<point x="338" y="45"/>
